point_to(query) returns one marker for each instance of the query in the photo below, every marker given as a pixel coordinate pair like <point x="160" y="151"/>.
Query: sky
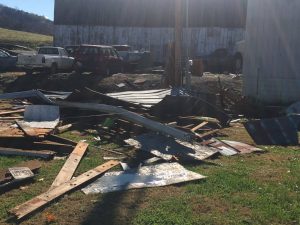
<point x="39" y="7"/>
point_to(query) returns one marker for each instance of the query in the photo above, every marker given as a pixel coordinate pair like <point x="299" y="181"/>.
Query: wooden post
<point x="178" y="43"/>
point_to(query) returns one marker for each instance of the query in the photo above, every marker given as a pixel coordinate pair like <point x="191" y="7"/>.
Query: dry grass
<point x="24" y="38"/>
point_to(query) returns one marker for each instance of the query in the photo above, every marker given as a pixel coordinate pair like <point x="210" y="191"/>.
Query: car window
<point x="113" y="52"/>
<point x="3" y="54"/>
<point x="106" y="52"/>
<point x="64" y="52"/>
<point x="48" y="51"/>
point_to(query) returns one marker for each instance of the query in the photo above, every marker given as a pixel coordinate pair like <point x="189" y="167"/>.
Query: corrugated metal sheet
<point x="166" y="148"/>
<point x="200" y="41"/>
<point x="276" y="131"/>
<point x="146" y="176"/>
<point x="272" y="48"/>
<point x="145" y="98"/>
<point x="41" y="116"/>
<point x="149" y="13"/>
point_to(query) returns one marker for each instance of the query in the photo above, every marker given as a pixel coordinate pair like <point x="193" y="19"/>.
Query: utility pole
<point x="187" y="46"/>
<point x="178" y="43"/>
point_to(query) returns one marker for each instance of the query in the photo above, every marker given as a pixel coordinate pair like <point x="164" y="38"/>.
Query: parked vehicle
<point x="239" y="52"/>
<point x="72" y="49"/>
<point x="7" y="61"/>
<point x="134" y="59"/>
<point x="98" y="58"/>
<point x="51" y="59"/>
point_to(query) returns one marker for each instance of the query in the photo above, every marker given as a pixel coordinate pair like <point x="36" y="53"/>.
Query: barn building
<point x="272" y="51"/>
<point x="149" y="24"/>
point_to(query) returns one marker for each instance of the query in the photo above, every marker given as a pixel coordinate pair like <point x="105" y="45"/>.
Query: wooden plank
<point x="209" y="133"/>
<point x="70" y="165"/>
<point x="29" y="153"/>
<point x="64" y="128"/>
<point x="3" y="113"/>
<point x="199" y="126"/>
<point x="12" y="118"/>
<point x="27" y="130"/>
<point x="42" y="200"/>
<point x="33" y="132"/>
<point x="58" y="139"/>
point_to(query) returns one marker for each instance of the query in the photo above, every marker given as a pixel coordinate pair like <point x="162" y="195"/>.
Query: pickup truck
<point x="50" y="59"/>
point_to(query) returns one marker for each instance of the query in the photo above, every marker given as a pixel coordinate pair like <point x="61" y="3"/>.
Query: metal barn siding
<point x="148" y="24"/>
<point x="201" y="41"/>
<point x="271" y="66"/>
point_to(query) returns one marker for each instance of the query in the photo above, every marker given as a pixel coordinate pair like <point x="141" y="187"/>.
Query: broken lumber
<point x="31" y="132"/>
<point x="64" y="128"/>
<point x="42" y="200"/>
<point x="70" y="165"/>
<point x="207" y="134"/>
<point x="203" y="124"/>
<point x="132" y="117"/>
<point x="58" y="139"/>
<point x="3" y="113"/>
<point x="29" y="153"/>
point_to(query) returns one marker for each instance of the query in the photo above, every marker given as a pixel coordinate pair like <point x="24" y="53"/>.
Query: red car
<point x="99" y="59"/>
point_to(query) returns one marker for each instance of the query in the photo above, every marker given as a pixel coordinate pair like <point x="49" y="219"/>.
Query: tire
<point x="53" y="69"/>
<point x="77" y="68"/>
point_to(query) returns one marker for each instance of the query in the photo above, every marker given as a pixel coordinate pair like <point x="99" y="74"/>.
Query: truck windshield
<point x="48" y="51"/>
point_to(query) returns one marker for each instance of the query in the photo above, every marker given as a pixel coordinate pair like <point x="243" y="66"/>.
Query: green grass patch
<point x="245" y="189"/>
<point x="24" y="38"/>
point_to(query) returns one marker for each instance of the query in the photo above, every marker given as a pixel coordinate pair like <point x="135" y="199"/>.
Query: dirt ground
<point x="11" y="82"/>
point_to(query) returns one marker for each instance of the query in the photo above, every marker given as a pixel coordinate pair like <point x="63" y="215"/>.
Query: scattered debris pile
<point x="165" y="128"/>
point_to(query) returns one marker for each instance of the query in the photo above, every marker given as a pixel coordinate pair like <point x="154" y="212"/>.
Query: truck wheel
<point x="77" y="68"/>
<point x="53" y="68"/>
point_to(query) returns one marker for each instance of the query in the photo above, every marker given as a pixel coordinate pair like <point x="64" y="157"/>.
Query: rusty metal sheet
<point x="276" y="131"/>
<point x="222" y="148"/>
<point x="143" y="177"/>
<point x="230" y="148"/>
<point x="166" y="147"/>
<point x="242" y="148"/>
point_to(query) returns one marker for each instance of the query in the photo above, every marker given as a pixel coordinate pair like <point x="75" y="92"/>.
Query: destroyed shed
<point x="149" y="24"/>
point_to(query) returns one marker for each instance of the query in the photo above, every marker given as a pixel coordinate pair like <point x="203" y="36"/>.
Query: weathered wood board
<point x="42" y="200"/>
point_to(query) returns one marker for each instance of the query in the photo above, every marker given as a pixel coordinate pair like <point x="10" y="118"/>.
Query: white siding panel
<point x="271" y="66"/>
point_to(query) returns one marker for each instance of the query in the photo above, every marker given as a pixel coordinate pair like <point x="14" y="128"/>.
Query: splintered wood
<point x="36" y="203"/>
<point x="7" y="129"/>
<point x="70" y="166"/>
<point x="203" y="124"/>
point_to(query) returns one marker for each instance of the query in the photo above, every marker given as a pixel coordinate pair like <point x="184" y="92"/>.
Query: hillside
<point x="15" y="19"/>
<point x="24" y="38"/>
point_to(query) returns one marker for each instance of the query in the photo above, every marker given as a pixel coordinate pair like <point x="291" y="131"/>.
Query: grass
<point x="24" y="38"/>
<point x="244" y="189"/>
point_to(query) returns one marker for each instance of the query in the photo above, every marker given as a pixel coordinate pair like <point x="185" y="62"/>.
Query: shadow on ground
<point x="57" y="82"/>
